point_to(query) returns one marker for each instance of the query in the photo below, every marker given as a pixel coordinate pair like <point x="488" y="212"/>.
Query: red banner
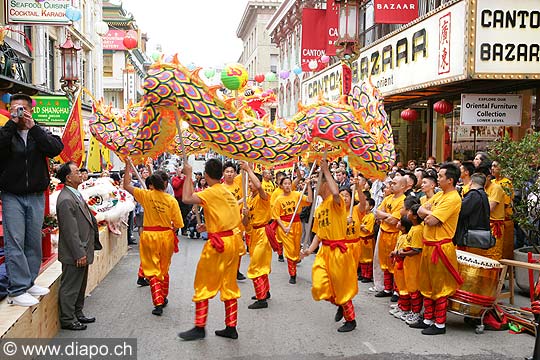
<point x="346" y="74"/>
<point x="314" y="37"/>
<point x="395" y="11"/>
<point x="73" y="137"/>
<point x="332" y="25"/>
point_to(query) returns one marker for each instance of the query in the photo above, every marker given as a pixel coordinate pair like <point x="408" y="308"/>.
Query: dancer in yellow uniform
<point x="158" y="238"/>
<point x="218" y="264"/>
<point x="508" y="233"/>
<point x="282" y="213"/>
<point x="334" y="269"/>
<point x="255" y="221"/>
<point x="367" y="243"/>
<point x="439" y="277"/>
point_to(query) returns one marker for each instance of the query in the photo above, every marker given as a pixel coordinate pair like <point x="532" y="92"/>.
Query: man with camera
<point x="24" y="176"/>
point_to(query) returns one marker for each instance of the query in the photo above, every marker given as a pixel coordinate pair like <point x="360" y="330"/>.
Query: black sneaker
<point x="229" y="332"/>
<point x="339" y="314"/>
<point x="240" y="276"/>
<point x="194" y="334"/>
<point x="281" y="258"/>
<point x="434" y="330"/>
<point x="394" y="298"/>
<point x="292" y="280"/>
<point x="366" y="280"/>
<point x="383" y="293"/>
<point x="259" y="304"/>
<point x="158" y="310"/>
<point x="143" y="282"/>
<point x="347" y="326"/>
<point x="420" y="324"/>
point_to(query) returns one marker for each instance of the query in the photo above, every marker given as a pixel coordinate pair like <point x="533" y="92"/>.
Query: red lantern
<point x="130" y="40"/>
<point x="409" y="115"/>
<point x="259" y="78"/>
<point x="443" y="107"/>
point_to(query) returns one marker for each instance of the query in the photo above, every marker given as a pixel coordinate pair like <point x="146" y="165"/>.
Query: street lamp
<point x="70" y="68"/>
<point x="347" y="46"/>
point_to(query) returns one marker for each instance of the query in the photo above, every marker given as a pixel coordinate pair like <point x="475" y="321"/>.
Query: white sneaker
<point x="393" y="306"/>
<point x="37" y="290"/>
<point x="373" y="289"/>
<point x="413" y="318"/>
<point x="23" y="300"/>
<point x="398" y="314"/>
<point x="405" y="315"/>
<point x="394" y="310"/>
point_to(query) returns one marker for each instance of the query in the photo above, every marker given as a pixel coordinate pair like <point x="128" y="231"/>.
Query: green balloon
<point x="156" y="56"/>
<point x="209" y="73"/>
<point x="270" y="76"/>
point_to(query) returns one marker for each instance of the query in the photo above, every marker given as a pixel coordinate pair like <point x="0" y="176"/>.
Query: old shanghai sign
<point x="490" y="109"/>
<point x="395" y="11"/>
<point x="49" y="12"/>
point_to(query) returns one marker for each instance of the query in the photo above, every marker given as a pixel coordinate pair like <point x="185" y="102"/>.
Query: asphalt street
<point x="294" y="326"/>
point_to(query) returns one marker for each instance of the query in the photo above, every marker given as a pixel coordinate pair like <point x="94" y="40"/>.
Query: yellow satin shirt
<point x="391" y="205"/>
<point x="285" y="204"/>
<point x="496" y="193"/>
<point x="445" y="207"/>
<point x="331" y="220"/>
<point x="508" y="188"/>
<point x="259" y="210"/>
<point x="160" y="208"/>
<point x="220" y="209"/>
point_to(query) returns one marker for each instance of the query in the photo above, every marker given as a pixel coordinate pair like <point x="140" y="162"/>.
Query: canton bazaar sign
<point x="507" y="37"/>
<point x="48" y="12"/>
<point x="416" y="57"/>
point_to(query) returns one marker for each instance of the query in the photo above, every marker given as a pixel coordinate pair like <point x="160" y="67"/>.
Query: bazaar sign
<point x="48" y="12"/>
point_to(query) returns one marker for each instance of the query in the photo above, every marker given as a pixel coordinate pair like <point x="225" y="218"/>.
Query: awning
<point x="19" y="49"/>
<point x="13" y="86"/>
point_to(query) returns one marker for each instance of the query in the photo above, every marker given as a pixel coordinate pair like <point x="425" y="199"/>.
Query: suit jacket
<point x="78" y="229"/>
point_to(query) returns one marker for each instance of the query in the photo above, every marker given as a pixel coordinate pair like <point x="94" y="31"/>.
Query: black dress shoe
<point x="259" y="304"/>
<point x="434" y="330"/>
<point x="240" y="276"/>
<point x="366" y="280"/>
<point x="420" y="324"/>
<point x="383" y="293"/>
<point x="158" y="310"/>
<point x="143" y="282"/>
<point x="86" y="320"/>
<point x="292" y="280"/>
<point x="74" y="326"/>
<point x="281" y="258"/>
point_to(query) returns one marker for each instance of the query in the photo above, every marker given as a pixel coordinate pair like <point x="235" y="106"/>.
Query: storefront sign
<point x="332" y="25"/>
<point x="491" y="109"/>
<point x="314" y="37"/>
<point x="507" y="37"/>
<point x="413" y="58"/>
<point x="51" y="110"/>
<point x="395" y="11"/>
<point x="114" y="40"/>
<point x="49" y="12"/>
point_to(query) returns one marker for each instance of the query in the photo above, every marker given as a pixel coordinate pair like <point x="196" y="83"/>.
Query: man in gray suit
<point x="78" y="237"/>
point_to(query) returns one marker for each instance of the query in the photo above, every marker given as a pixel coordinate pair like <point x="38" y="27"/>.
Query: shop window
<point x="108" y="65"/>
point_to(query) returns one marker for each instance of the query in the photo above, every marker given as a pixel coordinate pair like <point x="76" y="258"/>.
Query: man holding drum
<point x="439" y="277"/>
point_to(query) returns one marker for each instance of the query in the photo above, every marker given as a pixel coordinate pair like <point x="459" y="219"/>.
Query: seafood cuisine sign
<point x="48" y="12"/>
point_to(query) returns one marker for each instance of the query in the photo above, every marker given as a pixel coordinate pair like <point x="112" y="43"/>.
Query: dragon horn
<point x="175" y="60"/>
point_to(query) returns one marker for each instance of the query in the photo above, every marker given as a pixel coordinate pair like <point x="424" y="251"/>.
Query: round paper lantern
<point x="325" y="59"/>
<point x="209" y="73"/>
<point x="156" y="56"/>
<point x="297" y="70"/>
<point x="259" y="78"/>
<point x="312" y="65"/>
<point x="101" y="28"/>
<point x="73" y="14"/>
<point x="409" y="115"/>
<point x="284" y="74"/>
<point x="234" y="76"/>
<point x="270" y="76"/>
<point x="130" y="40"/>
<point x="443" y="107"/>
<point x="6" y="98"/>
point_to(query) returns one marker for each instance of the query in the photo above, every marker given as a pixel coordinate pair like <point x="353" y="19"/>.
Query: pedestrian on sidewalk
<point x="158" y="239"/>
<point x="24" y="176"/>
<point x="218" y="264"/>
<point x="78" y="238"/>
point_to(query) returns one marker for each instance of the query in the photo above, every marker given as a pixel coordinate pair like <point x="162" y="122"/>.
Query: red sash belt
<point x="399" y="262"/>
<point x="497" y="226"/>
<point x="156" y="228"/>
<point x="290" y="217"/>
<point x="438" y="253"/>
<point x="341" y="244"/>
<point x="162" y="228"/>
<point x="366" y="239"/>
<point x="216" y="239"/>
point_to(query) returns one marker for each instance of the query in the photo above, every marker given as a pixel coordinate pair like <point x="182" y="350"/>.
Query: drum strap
<point x="438" y="253"/>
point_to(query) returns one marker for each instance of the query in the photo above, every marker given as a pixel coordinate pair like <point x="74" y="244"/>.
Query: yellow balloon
<point x="234" y="76"/>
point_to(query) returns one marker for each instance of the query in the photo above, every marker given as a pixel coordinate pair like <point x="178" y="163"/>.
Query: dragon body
<point x="356" y="126"/>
